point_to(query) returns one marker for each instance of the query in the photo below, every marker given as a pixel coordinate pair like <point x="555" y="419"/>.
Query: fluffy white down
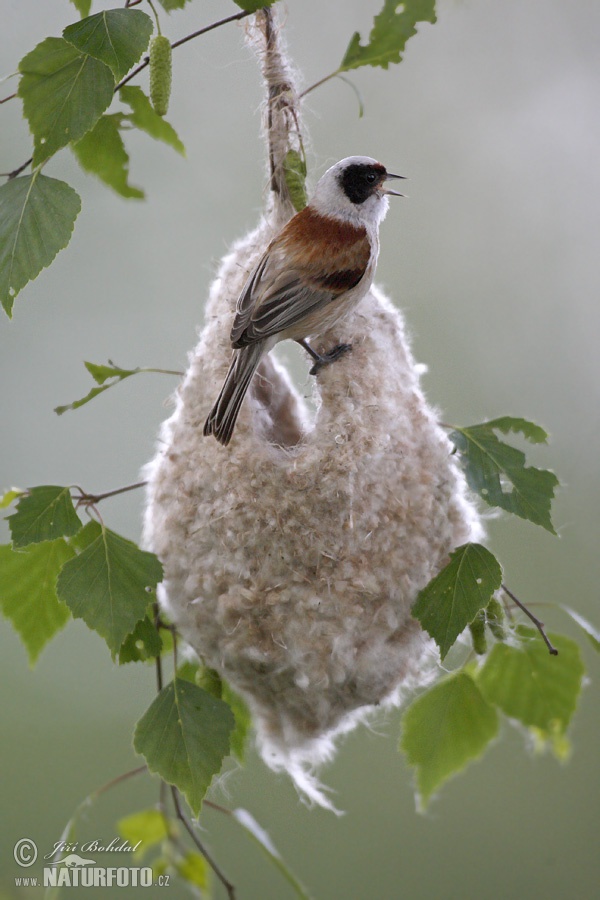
<point x="292" y="570"/>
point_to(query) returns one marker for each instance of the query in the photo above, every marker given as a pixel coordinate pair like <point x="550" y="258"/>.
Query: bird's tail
<point x="222" y="417"/>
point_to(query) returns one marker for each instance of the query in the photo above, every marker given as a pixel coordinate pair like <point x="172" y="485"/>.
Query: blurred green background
<point x="493" y="115"/>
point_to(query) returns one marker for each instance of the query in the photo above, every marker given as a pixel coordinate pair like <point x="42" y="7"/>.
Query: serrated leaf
<point x="491" y="466"/>
<point x="530" y="685"/>
<point x="148" y="826"/>
<point x="107" y="585"/>
<point x="392" y="28"/>
<point x="10" y="496"/>
<point x="116" y="37"/>
<point x="447" y="727"/>
<point x="28" y="592"/>
<point x="592" y="633"/>
<point x="184" y="737"/>
<point x="37" y="215"/>
<point x="83" y="7"/>
<point x="64" y="93"/>
<point x="101" y="375"/>
<point x="142" y="644"/>
<point x="535" y="434"/>
<point x="453" y="598"/>
<point x="146" y="119"/>
<point x="102" y="152"/>
<point x="82" y="540"/>
<point x="262" y="838"/>
<point x="44" y="513"/>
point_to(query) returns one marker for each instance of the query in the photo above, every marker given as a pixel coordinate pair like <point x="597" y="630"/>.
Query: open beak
<point x="388" y="190"/>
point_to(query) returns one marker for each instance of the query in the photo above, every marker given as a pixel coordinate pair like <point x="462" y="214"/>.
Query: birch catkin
<point x="160" y="73"/>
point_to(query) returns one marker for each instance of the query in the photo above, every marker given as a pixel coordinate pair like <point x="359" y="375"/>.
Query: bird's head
<point x="355" y="189"/>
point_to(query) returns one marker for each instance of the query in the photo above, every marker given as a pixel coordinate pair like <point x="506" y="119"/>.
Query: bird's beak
<point x="389" y="191"/>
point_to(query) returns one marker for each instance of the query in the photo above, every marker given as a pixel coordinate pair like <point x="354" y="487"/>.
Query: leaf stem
<point x="86" y="499"/>
<point x="115" y="781"/>
<point x="539" y="625"/>
<point x="10" y="97"/>
<point x="192" y="833"/>
<point x="318" y="83"/>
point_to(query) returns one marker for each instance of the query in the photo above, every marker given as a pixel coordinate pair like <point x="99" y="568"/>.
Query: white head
<point x="353" y="189"/>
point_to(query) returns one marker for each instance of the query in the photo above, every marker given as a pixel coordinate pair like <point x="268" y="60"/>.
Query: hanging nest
<point x="292" y="558"/>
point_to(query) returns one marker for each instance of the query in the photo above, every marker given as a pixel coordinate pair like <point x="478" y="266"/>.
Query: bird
<point x="316" y="269"/>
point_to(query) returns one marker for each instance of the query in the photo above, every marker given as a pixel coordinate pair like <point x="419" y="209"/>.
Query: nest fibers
<point x="293" y="557"/>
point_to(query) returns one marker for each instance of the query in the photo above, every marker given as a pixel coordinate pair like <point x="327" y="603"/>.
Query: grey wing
<point x="243" y="310"/>
<point x="274" y="301"/>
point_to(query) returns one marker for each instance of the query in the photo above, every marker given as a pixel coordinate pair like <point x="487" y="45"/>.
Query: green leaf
<point x="211" y="682"/>
<point x="107" y="584"/>
<point x="590" y="630"/>
<point x="170" y="5"/>
<point x="243" y="722"/>
<point x="193" y="868"/>
<point x="530" y="685"/>
<point x="100" y="374"/>
<point x="28" y="592"/>
<point x="444" y="729"/>
<point x="37" y="215"/>
<point x="102" y="152"/>
<point x="142" y="644"/>
<point x="10" y="496"/>
<point x="294" y="169"/>
<point x="535" y="434"/>
<point x="44" y="513"/>
<point x="262" y="838"/>
<point x="392" y="28"/>
<point x="148" y="826"/>
<point x="251" y="5"/>
<point x="116" y="37"/>
<point x="146" y="119"/>
<point x="453" y="598"/>
<point x="64" y="93"/>
<point x="184" y="737"/>
<point x="82" y="6"/>
<point x="491" y="466"/>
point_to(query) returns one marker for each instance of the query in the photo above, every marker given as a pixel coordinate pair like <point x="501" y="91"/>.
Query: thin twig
<point x="241" y="15"/>
<point x="192" y="833"/>
<point x="17" y="171"/>
<point x="10" y="97"/>
<point x="221" y="809"/>
<point x="539" y="625"/>
<point x="86" y="499"/>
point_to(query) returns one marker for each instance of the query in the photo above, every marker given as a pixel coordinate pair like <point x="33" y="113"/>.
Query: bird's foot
<point x="326" y="359"/>
<point x="323" y="359"/>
